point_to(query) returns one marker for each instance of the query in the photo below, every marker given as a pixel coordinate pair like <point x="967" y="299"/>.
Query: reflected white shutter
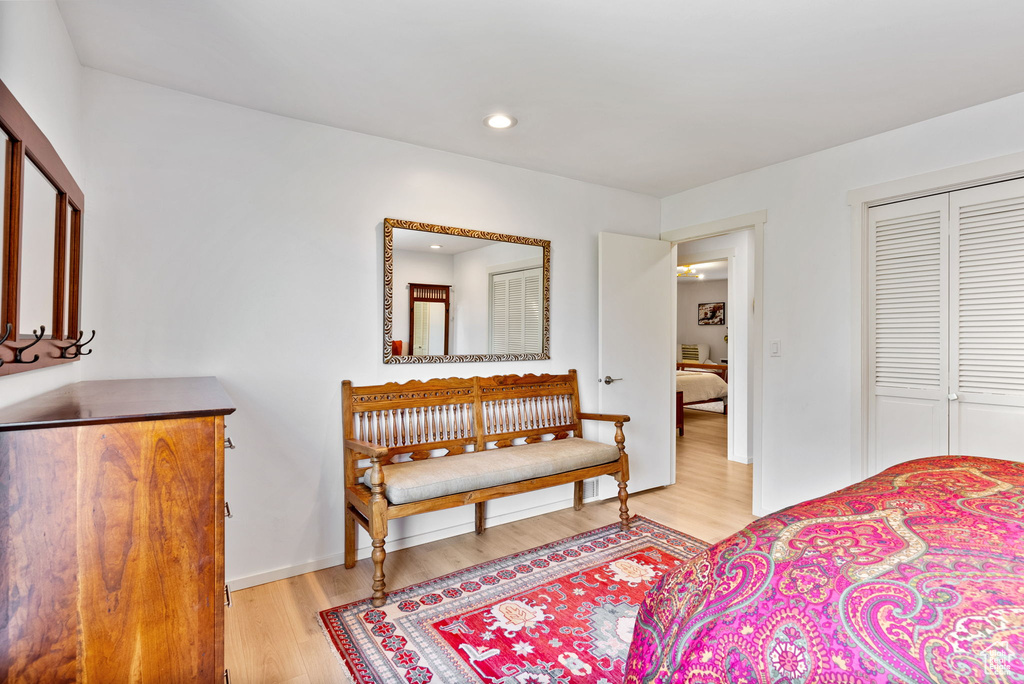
<point x="532" y="318"/>
<point x="499" y="315"/>
<point x="908" y="284"/>
<point x="515" y="312"/>
<point x="988" y="308"/>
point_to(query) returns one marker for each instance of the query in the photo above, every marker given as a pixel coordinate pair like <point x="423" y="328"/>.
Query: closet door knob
<point x="952" y="396"/>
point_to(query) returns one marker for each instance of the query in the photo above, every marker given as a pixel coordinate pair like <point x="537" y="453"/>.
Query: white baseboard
<point x="395" y="544"/>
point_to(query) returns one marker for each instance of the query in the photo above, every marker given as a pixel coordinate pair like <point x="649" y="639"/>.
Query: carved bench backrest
<point x="529" y="407"/>
<point x="424" y="419"/>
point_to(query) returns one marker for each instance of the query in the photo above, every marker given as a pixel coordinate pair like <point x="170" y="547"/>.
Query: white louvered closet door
<point x="908" y="359"/>
<point x="987" y="321"/>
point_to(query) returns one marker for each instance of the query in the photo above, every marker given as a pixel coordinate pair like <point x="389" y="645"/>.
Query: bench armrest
<point x="368" y="448"/>
<point x="610" y="417"/>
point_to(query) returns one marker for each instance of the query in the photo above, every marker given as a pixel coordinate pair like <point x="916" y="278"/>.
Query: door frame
<point x="996" y="170"/>
<point x="754" y="400"/>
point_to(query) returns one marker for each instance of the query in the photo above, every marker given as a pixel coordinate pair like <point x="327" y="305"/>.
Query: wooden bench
<point x="426" y="446"/>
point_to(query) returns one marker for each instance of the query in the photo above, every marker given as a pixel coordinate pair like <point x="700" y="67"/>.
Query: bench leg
<point x="480" y="517"/>
<point x="378" y="530"/>
<point x="378" y="554"/>
<point x="577" y="495"/>
<point x="623" y="476"/>
<point x="350" y="536"/>
<point x="623" y="508"/>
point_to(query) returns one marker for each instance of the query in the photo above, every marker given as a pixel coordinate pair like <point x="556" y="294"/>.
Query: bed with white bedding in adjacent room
<point x="700" y="384"/>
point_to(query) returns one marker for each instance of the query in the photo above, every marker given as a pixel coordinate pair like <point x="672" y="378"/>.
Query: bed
<point x="700" y="383"/>
<point x="914" y="575"/>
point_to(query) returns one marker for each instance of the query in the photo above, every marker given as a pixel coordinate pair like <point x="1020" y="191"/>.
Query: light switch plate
<point x="775" y="348"/>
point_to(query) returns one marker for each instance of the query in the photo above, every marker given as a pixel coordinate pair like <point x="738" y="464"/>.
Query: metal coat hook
<point x="19" y="350"/>
<point x="7" y="333"/>
<point x="64" y="350"/>
<point x="85" y="344"/>
<point x="79" y="344"/>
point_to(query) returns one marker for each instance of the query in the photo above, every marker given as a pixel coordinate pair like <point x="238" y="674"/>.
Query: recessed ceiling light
<point x="500" y="121"/>
<point x="435" y="246"/>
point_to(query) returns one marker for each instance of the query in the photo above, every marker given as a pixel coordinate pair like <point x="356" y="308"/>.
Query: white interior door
<point x="636" y="331"/>
<point x="987" y="321"/>
<point x="908" y="348"/>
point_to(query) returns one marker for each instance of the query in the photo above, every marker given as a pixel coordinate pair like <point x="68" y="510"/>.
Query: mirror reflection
<point x="5" y="145"/>
<point x="458" y="295"/>
<point x="429" y="319"/>
<point x="66" y="285"/>
<point x="38" y="239"/>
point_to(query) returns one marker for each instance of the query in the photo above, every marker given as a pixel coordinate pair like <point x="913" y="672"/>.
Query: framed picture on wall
<point x="712" y="313"/>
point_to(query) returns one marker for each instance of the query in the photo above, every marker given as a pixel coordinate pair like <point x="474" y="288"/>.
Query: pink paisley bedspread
<point x="913" y="575"/>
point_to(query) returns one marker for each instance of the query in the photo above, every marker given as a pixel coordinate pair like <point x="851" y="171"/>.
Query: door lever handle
<point x="608" y="379"/>
<point x="952" y="396"/>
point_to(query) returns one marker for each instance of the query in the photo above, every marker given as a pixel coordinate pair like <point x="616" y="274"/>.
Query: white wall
<point x="417" y="267"/>
<point x="39" y="66"/>
<point x="807" y="425"/>
<point x="248" y="246"/>
<point x="691" y="293"/>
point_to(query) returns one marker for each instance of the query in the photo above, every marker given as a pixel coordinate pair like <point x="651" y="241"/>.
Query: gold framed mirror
<point x="497" y="288"/>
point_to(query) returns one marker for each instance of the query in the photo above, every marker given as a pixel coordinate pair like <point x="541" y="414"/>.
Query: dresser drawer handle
<point x="227" y="510"/>
<point x="227" y="596"/>
<point x="228" y="444"/>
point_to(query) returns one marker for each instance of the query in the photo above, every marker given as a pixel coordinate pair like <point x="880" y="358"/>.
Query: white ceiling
<point x="654" y="96"/>
<point x="419" y="241"/>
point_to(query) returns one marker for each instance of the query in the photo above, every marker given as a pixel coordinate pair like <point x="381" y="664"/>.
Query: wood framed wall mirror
<point x="456" y="295"/>
<point x="42" y="209"/>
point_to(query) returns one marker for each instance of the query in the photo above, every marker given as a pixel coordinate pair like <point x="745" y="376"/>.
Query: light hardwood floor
<point x="272" y="634"/>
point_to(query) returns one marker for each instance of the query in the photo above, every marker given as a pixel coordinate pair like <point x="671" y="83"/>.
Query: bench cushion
<point x="434" y="477"/>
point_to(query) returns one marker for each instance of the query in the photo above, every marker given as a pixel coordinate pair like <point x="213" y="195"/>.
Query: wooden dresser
<point x="112" y="533"/>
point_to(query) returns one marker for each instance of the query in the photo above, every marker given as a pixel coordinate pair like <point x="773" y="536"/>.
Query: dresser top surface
<point x="119" y="401"/>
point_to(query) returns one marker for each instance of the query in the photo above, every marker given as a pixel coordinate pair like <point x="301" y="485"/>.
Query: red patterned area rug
<point x="558" y="613"/>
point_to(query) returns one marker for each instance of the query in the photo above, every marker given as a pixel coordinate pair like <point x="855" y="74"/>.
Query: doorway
<point x="739" y="240"/>
<point x="704" y="305"/>
<point x="636" y="344"/>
